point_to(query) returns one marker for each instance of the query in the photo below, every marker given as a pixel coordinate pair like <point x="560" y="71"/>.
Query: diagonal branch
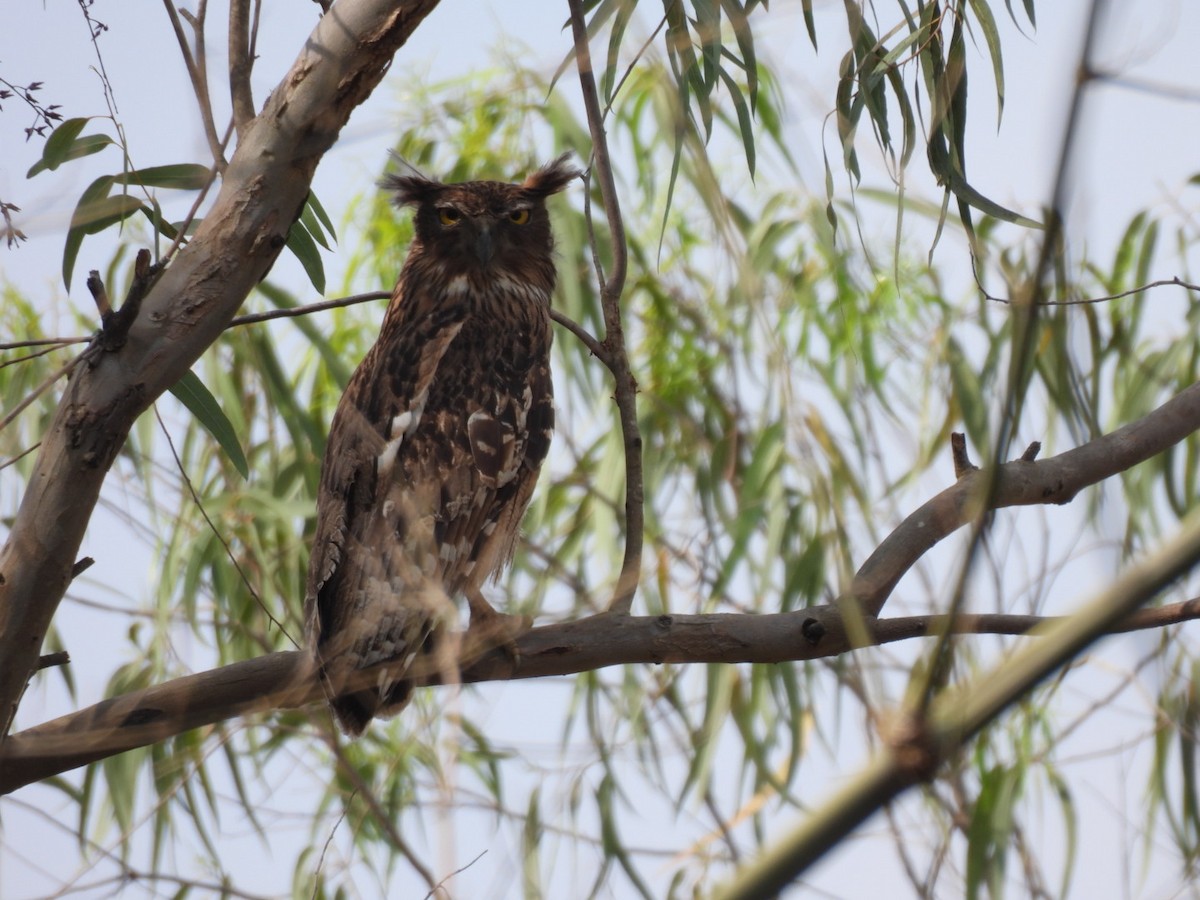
<point x="261" y="194"/>
<point x="1020" y="483"/>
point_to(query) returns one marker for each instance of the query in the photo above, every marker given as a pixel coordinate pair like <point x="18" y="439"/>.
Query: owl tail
<point x="355" y="711"/>
<point x="399" y="625"/>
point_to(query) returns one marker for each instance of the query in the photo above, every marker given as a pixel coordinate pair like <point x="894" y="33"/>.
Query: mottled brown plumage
<point x="436" y="444"/>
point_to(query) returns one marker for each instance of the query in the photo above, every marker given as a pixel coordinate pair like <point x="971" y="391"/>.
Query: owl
<point x="437" y="441"/>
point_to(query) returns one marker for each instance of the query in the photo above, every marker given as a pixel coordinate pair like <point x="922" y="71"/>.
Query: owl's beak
<point x="484" y="248"/>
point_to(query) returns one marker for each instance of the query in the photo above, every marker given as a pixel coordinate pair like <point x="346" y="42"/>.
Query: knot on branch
<point x="115" y="324"/>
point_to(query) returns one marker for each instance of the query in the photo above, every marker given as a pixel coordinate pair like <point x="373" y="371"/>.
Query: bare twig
<point x="217" y="533"/>
<point x="240" y="64"/>
<point x="197" y="69"/>
<point x="617" y="359"/>
<point x="294" y="312"/>
<point x="1080" y="301"/>
<point x="958" y="451"/>
<point x="439" y="886"/>
<point x="586" y="338"/>
<point x="44" y="342"/>
<point x="95" y="286"/>
<point x="19" y="456"/>
<point x="61" y="371"/>
<point x="362" y="789"/>
<point x="49" y="660"/>
<point x="1024" y="334"/>
<point x="252" y="318"/>
<point x="27" y="357"/>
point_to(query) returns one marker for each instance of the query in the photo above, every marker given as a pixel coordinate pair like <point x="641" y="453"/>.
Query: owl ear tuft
<point x="412" y="188"/>
<point x="551" y="178"/>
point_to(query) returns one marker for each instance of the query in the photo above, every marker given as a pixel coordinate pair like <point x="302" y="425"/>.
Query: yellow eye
<point x="448" y="215"/>
<point x="520" y="216"/>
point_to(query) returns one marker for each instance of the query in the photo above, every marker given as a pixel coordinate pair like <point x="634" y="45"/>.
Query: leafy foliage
<point x="796" y="395"/>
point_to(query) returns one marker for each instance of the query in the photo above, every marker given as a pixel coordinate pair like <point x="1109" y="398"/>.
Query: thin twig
<point x="297" y="311"/>
<point x="27" y="357"/>
<point x="197" y="69"/>
<point x="585" y="337"/>
<point x="1080" y="301"/>
<point x="625" y="387"/>
<point x="64" y="369"/>
<point x="20" y="456"/>
<point x="49" y="660"/>
<point x="363" y="790"/>
<point x="43" y="342"/>
<point x="438" y="887"/>
<point x="240" y="64"/>
<point x="217" y="533"/>
<point x="252" y="318"/>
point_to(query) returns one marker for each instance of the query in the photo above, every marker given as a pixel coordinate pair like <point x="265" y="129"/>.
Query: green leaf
<point x="59" y="143"/>
<point x="192" y="393"/>
<point x="64" y="145"/>
<point x="183" y="177"/>
<point x="991" y="36"/>
<point x="744" y="117"/>
<point x="308" y="218"/>
<point x="94" y="212"/>
<point x="302" y="245"/>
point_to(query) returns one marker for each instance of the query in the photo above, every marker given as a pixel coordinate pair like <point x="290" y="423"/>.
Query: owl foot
<point x="492" y="630"/>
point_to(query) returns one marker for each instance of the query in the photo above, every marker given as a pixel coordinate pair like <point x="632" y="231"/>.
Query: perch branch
<point x="286" y="680"/>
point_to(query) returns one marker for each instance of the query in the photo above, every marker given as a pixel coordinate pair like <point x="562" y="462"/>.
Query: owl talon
<point x="492" y="630"/>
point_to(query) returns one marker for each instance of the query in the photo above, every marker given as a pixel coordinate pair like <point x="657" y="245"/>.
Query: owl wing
<point x="490" y="479"/>
<point x="372" y="591"/>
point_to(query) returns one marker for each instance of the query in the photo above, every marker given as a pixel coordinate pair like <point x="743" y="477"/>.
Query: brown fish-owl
<point x="438" y="439"/>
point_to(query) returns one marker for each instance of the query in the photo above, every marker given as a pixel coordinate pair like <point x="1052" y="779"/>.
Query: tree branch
<point x="287" y="680"/>
<point x="240" y="64"/>
<point x="261" y="194"/>
<point x="1020" y="483"/>
<point x="615" y="356"/>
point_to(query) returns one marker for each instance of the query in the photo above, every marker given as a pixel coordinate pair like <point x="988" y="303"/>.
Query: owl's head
<point x="483" y="226"/>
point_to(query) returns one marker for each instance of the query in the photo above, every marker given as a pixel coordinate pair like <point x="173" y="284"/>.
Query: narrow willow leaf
<point x="322" y="216"/>
<point x="183" y="177"/>
<point x="94" y="212"/>
<point x="59" y="144"/>
<point x="745" y="40"/>
<point x="745" y="119"/>
<point x="312" y="225"/>
<point x="531" y="839"/>
<point x="192" y="393"/>
<point x="991" y="37"/>
<point x="615" y="36"/>
<point x="302" y="245"/>
<point x="84" y="146"/>
<point x="809" y="23"/>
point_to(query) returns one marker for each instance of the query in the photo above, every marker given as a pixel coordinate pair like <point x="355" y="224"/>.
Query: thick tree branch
<point x="261" y="194"/>
<point x="1020" y="483"/>
<point x="286" y="680"/>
